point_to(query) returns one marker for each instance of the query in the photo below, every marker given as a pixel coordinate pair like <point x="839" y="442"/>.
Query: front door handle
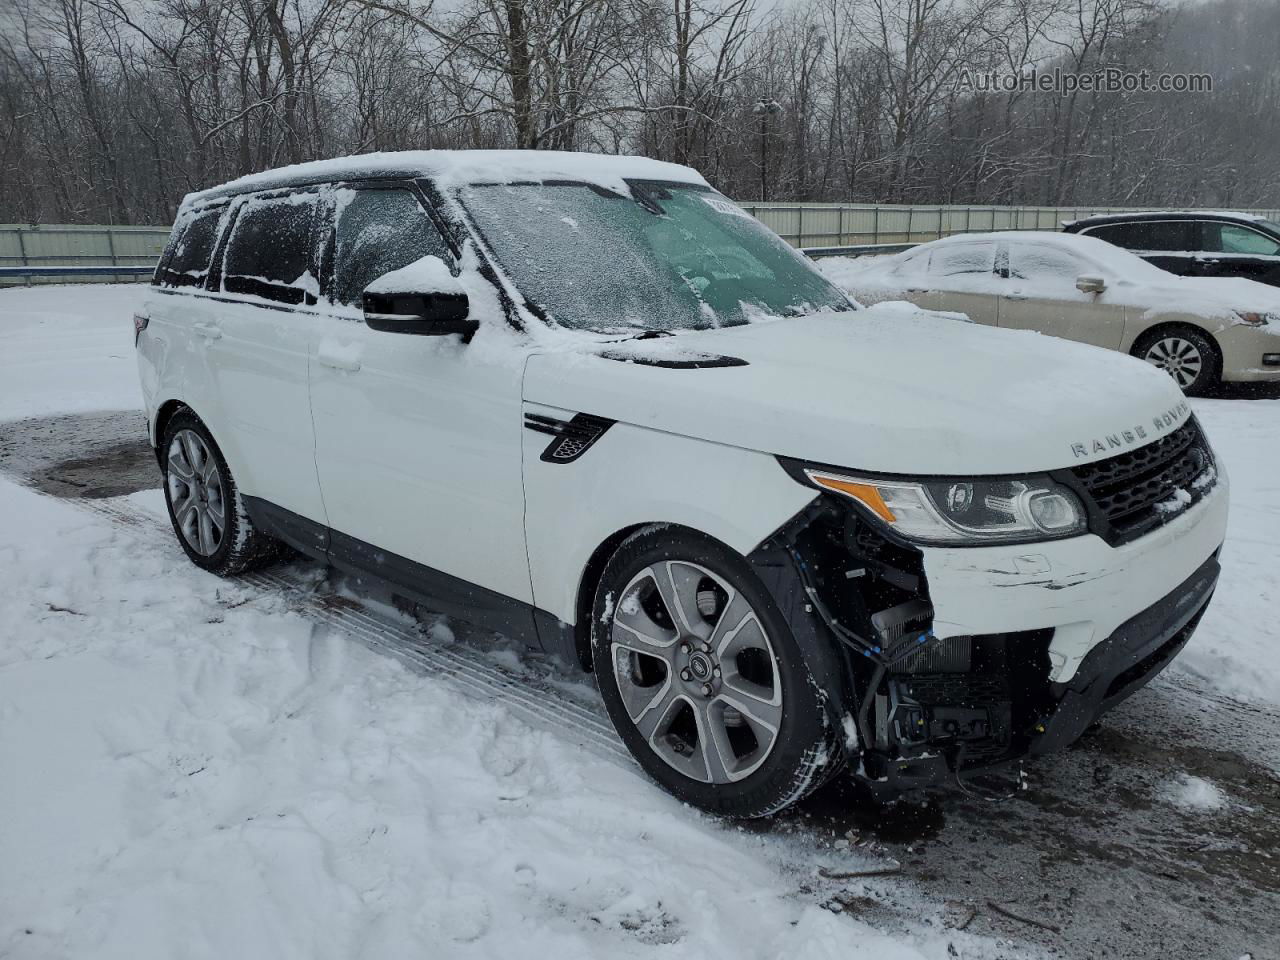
<point x="1016" y="296"/>
<point x="207" y="330"/>
<point x="339" y="363"/>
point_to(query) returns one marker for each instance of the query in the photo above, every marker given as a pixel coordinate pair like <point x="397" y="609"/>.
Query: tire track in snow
<point x="466" y="668"/>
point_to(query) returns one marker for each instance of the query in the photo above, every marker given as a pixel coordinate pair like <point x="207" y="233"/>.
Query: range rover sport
<point x="590" y="403"/>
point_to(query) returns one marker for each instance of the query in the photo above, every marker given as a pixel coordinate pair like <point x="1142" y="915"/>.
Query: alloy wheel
<point x="1179" y="358"/>
<point x="696" y="671"/>
<point x="195" y="491"/>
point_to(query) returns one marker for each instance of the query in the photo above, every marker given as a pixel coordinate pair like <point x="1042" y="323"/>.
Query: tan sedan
<point x="1200" y="330"/>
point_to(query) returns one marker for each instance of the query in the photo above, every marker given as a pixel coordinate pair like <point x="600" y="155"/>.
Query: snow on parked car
<point x="1201" y="330"/>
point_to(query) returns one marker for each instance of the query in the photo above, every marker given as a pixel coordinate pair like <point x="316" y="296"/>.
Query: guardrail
<point x="41" y="253"/>
<point x="857" y="250"/>
<point x="139" y="272"/>
<point x="123" y="270"/>
<point x="28" y="253"/>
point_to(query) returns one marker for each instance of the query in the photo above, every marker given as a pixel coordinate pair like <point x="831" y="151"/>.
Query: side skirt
<point x="435" y="589"/>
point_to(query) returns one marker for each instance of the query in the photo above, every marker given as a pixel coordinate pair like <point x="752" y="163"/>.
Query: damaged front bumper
<point x="1059" y="713"/>
<point x="1021" y="648"/>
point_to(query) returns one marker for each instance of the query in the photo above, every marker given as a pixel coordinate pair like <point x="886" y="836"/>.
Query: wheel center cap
<point x="700" y="666"/>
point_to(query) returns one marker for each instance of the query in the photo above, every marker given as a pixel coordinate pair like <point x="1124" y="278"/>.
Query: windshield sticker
<point x="725" y="207"/>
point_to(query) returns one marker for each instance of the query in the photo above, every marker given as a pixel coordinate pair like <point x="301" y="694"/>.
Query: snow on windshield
<point x="676" y="257"/>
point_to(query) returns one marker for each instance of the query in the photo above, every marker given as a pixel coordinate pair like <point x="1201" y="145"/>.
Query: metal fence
<point x="51" y="253"/>
<point x="60" y="252"/>
<point x="809" y="225"/>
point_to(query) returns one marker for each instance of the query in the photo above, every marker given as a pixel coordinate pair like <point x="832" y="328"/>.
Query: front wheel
<point x="703" y="679"/>
<point x="1187" y="355"/>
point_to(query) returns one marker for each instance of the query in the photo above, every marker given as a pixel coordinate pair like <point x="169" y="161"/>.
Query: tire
<point x="1186" y="354"/>
<point x="204" y="503"/>
<point x="716" y="701"/>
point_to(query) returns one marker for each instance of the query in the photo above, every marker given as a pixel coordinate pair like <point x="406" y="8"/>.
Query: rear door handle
<point x="338" y="363"/>
<point x="207" y="330"/>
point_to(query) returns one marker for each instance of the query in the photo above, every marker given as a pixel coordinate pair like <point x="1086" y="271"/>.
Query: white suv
<point x="589" y="402"/>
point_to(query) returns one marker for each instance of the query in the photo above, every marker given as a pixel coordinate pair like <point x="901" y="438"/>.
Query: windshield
<point x="674" y="257"/>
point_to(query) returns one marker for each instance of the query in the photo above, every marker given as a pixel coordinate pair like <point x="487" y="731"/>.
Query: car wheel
<point x="1187" y="355"/>
<point x="703" y="679"/>
<point x="204" y="503"/>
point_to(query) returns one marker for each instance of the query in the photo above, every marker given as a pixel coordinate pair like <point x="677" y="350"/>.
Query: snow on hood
<point x="890" y="389"/>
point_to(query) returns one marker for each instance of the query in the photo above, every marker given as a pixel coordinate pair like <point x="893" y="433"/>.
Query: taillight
<point x="139" y="324"/>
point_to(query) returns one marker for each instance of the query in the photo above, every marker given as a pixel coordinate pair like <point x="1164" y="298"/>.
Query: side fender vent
<point x="573" y="437"/>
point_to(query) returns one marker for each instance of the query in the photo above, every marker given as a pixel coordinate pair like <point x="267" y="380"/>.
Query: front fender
<point x="634" y="476"/>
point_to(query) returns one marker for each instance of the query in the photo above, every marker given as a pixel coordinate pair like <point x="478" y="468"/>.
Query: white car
<point x="588" y="402"/>
<point x="1200" y="330"/>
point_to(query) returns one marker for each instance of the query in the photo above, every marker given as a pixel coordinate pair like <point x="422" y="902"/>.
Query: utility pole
<point x="765" y="108"/>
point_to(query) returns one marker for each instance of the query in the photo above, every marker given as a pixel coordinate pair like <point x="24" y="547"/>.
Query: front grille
<point x="1139" y="490"/>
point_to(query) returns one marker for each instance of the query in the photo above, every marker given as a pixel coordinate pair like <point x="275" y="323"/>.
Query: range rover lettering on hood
<point x="1136" y="435"/>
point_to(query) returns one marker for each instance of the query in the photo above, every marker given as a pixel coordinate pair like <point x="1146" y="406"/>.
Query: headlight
<point x="1257" y="319"/>
<point x="965" y="511"/>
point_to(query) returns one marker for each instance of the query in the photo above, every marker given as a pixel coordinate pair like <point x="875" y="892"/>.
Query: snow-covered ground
<point x="189" y="768"/>
<point x="193" y="768"/>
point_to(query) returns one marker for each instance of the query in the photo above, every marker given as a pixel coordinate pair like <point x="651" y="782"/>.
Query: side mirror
<point x="423" y="298"/>
<point x="1090" y="284"/>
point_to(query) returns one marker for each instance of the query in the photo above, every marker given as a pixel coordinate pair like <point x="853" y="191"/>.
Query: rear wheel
<point x="204" y="503"/>
<point x="703" y="679"/>
<point x="1186" y="354"/>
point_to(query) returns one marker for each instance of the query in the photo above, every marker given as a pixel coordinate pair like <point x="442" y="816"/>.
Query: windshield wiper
<point x="645" y="335"/>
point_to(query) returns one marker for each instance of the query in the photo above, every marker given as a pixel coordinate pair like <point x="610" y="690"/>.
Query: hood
<point x="1224" y="293"/>
<point x="889" y="389"/>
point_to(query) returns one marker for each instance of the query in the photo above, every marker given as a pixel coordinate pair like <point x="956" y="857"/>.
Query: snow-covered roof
<point x="453" y="167"/>
<point x="1156" y="214"/>
<point x="1086" y="246"/>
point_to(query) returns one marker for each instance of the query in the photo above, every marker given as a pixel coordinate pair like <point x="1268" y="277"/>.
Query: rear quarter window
<point x="1121" y="234"/>
<point x="191" y="247"/>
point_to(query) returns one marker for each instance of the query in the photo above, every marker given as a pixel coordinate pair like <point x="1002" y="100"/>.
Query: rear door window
<point x="1149" y="235"/>
<point x="191" y="249"/>
<point x="268" y="254"/>
<point x="377" y="231"/>
<point x="1170" y="235"/>
<point x="966" y="259"/>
